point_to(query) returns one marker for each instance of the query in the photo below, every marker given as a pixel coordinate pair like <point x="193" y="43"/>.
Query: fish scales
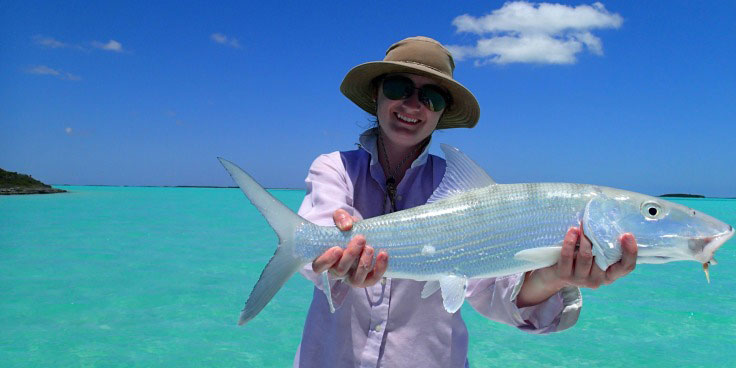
<point x="478" y="228"/>
<point x="459" y="235"/>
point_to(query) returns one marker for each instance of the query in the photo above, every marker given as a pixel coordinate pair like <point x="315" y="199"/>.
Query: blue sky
<point x="635" y="95"/>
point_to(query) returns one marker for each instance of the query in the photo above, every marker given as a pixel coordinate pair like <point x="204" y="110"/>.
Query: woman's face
<point x="406" y="122"/>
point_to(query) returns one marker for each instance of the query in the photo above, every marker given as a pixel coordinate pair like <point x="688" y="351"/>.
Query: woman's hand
<point x="576" y="268"/>
<point x="353" y="262"/>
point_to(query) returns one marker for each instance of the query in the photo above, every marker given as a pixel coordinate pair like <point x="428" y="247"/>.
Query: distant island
<point x="16" y="183"/>
<point x="682" y="195"/>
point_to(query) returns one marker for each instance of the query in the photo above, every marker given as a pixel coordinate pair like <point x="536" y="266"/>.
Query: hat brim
<point x="463" y="113"/>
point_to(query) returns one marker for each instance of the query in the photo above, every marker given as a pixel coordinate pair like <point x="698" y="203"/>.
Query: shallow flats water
<point x="115" y="276"/>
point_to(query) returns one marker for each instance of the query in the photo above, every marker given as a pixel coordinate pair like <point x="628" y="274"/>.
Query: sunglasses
<point x="398" y="87"/>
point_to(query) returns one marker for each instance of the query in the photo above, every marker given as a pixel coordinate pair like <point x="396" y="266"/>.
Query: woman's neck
<point x="396" y="160"/>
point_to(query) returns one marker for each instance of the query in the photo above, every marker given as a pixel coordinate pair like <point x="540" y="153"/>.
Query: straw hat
<point x="415" y="55"/>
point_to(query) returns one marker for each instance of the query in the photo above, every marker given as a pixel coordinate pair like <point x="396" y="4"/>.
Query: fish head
<point x="665" y="231"/>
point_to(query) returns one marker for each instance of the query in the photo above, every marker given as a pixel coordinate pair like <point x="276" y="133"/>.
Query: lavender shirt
<point x="389" y="324"/>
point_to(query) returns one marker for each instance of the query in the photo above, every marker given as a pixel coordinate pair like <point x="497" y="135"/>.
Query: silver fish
<point x="472" y="227"/>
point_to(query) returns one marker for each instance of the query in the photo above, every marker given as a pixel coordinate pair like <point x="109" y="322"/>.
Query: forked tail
<point x="284" y="222"/>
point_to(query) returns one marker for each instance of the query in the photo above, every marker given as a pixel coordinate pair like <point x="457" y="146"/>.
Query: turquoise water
<point x="113" y="276"/>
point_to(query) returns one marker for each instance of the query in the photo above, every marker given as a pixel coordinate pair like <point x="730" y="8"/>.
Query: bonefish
<point x="473" y="227"/>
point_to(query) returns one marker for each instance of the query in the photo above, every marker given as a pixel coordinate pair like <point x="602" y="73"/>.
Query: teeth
<point x="406" y="118"/>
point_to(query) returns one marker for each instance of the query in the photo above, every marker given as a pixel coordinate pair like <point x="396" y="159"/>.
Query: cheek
<point x="434" y="118"/>
<point x="383" y="107"/>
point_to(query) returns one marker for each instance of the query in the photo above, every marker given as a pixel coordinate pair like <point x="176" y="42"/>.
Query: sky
<point x="628" y="94"/>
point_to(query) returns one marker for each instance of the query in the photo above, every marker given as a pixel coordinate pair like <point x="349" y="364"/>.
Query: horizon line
<point x="667" y="195"/>
<point x="165" y="186"/>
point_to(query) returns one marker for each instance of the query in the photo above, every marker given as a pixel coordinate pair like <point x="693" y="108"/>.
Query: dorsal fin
<point x="462" y="174"/>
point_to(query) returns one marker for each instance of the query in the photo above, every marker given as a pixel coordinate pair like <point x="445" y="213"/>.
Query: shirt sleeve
<point x="495" y="298"/>
<point x="328" y="189"/>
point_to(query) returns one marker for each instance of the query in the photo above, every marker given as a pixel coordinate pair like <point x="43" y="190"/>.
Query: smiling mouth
<point x="406" y="119"/>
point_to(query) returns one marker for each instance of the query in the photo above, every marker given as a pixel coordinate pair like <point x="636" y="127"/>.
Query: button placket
<point x="379" y="316"/>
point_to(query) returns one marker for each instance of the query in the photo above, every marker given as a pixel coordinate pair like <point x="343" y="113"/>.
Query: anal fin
<point x="453" y="292"/>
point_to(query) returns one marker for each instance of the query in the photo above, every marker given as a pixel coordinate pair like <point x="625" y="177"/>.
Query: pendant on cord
<point x="391" y="191"/>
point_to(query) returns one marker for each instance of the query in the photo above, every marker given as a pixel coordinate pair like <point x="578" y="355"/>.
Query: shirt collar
<point x="369" y="142"/>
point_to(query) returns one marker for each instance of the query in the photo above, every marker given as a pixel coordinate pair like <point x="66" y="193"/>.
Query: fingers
<point x="355" y="261"/>
<point x="327" y="259"/>
<point x="567" y="254"/>
<point x="577" y="266"/>
<point x="343" y="220"/>
<point x="584" y="259"/>
<point x="378" y="269"/>
<point x="584" y="272"/>
<point x="350" y="255"/>
<point x="364" y="266"/>
<point x="597" y="278"/>
<point x="628" y="258"/>
<point x="630" y="251"/>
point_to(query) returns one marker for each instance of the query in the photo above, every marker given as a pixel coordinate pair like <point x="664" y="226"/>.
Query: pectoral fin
<point x="542" y="257"/>
<point x="453" y="292"/>
<point x="327" y="291"/>
<point x="430" y="287"/>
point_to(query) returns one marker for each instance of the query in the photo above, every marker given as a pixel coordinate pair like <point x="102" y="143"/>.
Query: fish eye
<point x="652" y="210"/>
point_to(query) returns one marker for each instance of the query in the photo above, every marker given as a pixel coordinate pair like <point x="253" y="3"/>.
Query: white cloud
<point x="49" y="42"/>
<point x="111" y="45"/>
<point x="523" y="32"/>
<point x="225" y="40"/>
<point x="45" y="70"/>
<point x="68" y="130"/>
<point x="218" y="37"/>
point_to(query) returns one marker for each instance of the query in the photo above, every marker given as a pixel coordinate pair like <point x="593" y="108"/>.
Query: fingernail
<point x="341" y="219"/>
<point x="367" y="263"/>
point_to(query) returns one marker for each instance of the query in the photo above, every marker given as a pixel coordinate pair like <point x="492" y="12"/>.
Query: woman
<point x="385" y="322"/>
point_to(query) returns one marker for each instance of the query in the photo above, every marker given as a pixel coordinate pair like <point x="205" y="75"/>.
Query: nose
<point x="413" y="100"/>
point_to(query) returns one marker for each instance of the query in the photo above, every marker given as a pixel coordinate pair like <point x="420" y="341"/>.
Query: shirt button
<point x="377" y="328"/>
<point x="383" y="281"/>
<point x="398" y="197"/>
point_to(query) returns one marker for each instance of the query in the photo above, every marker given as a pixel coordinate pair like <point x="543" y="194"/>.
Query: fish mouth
<point x="711" y="244"/>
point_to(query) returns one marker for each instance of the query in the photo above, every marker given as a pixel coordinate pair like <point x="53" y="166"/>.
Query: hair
<point x="373" y="118"/>
<point x="375" y="83"/>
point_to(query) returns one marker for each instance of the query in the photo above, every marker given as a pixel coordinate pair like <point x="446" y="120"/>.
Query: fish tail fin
<point x="284" y="222"/>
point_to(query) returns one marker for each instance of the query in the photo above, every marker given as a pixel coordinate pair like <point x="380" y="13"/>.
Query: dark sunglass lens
<point x="397" y="88"/>
<point x="432" y="97"/>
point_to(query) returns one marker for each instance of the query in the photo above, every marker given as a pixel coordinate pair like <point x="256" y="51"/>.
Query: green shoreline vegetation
<point x="683" y="195"/>
<point x="17" y="183"/>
